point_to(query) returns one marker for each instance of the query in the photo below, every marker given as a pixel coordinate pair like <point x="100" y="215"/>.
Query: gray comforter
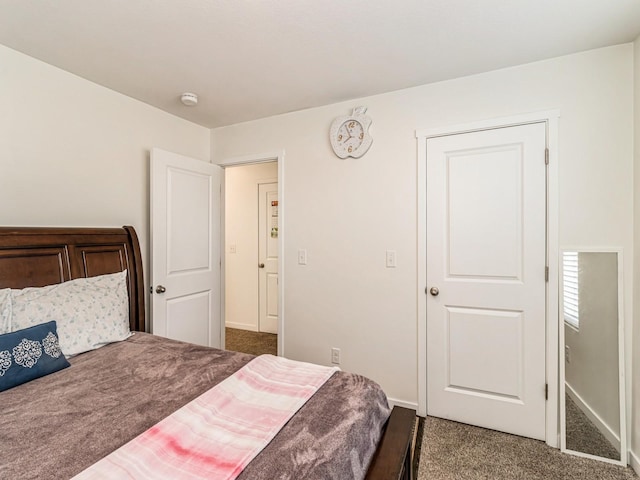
<point x="56" y="426"/>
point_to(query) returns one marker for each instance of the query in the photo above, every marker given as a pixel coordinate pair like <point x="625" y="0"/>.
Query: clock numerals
<point x="350" y="136"/>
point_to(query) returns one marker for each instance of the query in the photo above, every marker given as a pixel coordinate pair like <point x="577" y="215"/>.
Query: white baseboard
<point x="634" y="462"/>
<point x="609" y="434"/>
<point x="242" y="326"/>
<point x="394" y="402"/>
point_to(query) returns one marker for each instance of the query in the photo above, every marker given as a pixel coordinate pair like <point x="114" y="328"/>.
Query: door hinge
<point x="546" y="391"/>
<point x="546" y="156"/>
<point x="546" y="274"/>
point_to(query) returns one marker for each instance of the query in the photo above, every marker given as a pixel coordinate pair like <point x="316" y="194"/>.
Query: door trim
<point x="248" y="160"/>
<point x="550" y="118"/>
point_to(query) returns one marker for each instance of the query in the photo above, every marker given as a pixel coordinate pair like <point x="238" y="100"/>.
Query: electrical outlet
<point x="335" y="356"/>
<point x="567" y="354"/>
<point x="232" y="249"/>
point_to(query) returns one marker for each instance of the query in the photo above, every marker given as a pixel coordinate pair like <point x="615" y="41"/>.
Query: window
<point x="570" y="288"/>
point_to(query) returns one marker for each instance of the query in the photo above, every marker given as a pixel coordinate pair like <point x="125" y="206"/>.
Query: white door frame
<point x="248" y="160"/>
<point x="551" y="120"/>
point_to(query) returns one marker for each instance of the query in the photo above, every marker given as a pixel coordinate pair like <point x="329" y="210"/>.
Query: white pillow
<point x="90" y="312"/>
<point x="5" y="311"/>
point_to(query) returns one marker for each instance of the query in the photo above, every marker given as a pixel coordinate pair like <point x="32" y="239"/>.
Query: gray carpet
<point x="454" y="451"/>
<point x="583" y="436"/>
<point x="255" y="343"/>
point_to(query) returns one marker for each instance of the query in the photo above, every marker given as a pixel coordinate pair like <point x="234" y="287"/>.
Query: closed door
<point x="486" y="254"/>
<point x="268" y="257"/>
<point x="185" y="248"/>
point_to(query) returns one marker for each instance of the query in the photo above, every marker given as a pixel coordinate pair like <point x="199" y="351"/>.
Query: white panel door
<point x="185" y="248"/>
<point x="486" y="256"/>
<point x="268" y="257"/>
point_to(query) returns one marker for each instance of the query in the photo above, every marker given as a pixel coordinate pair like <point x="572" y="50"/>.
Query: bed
<point x="58" y="425"/>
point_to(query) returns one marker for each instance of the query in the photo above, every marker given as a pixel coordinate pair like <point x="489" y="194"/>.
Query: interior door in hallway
<point x="268" y="257"/>
<point x="486" y="255"/>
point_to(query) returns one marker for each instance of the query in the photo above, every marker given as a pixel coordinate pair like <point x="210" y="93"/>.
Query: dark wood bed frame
<point x="39" y="256"/>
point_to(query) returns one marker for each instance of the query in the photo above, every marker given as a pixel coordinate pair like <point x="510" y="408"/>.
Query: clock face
<point x="349" y="135"/>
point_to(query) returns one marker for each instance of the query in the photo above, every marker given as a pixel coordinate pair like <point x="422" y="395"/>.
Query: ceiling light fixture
<point x="189" y="99"/>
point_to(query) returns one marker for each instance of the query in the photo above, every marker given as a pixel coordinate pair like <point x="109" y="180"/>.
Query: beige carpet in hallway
<point x="454" y="451"/>
<point x="255" y="343"/>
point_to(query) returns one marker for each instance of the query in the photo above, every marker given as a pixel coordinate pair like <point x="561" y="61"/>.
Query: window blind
<point x="570" y="288"/>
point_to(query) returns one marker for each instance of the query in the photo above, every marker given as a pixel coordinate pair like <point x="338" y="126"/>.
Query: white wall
<point x="73" y="153"/>
<point x="346" y="213"/>
<point x="241" y="231"/>
<point x="635" y="415"/>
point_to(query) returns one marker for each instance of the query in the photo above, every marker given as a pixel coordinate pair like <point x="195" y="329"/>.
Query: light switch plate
<point x="302" y="257"/>
<point x="391" y="259"/>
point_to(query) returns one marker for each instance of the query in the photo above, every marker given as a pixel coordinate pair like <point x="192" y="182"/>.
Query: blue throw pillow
<point x="29" y="354"/>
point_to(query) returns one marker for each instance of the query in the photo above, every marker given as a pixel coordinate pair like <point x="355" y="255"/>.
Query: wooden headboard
<point x="39" y="256"/>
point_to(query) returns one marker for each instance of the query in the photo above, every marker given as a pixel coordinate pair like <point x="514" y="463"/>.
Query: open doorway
<point x="251" y="258"/>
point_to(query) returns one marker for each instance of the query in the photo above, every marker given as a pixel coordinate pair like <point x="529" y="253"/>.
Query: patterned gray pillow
<point x="90" y="312"/>
<point x="5" y="310"/>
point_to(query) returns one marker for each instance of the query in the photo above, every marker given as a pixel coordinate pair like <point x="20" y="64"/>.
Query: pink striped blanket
<point x="216" y="435"/>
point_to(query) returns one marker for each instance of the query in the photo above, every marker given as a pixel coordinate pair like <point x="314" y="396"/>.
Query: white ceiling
<point x="248" y="59"/>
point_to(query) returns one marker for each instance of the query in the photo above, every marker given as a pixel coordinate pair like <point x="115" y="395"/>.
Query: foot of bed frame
<point x="392" y="460"/>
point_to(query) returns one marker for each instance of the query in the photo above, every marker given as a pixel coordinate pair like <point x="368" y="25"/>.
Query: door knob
<point x="434" y="291"/>
<point x="160" y="289"/>
<point x="261" y="265"/>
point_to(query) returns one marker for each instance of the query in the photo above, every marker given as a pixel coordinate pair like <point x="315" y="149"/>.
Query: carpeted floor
<point x="454" y="451"/>
<point x="255" y="343"/>
<point x="583" y="436"/>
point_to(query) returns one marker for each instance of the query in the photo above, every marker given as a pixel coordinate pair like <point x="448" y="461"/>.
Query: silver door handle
<point x="434" y="291"/>
<point x="261" y="265"/>
<point x="160" y="289"/>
